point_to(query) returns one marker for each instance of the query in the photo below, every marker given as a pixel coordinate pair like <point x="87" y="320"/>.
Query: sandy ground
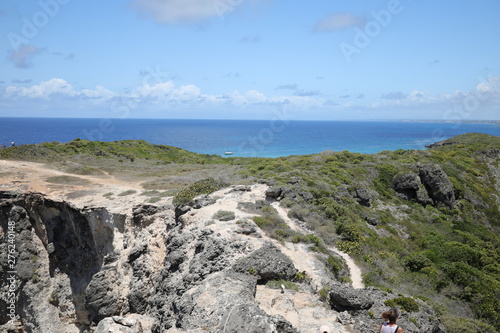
<point x="80" y="191"/>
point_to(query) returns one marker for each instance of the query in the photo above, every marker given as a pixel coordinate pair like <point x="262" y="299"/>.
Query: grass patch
<point x="276" y="284"/>
<point x="127" y="192"/>
<point x="67" y="180"/>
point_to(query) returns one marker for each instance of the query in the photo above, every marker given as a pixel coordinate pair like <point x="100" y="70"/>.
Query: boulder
<point x="268" y="262"/>
<point x="102" y="296"/>
<point x="242" y="188"/>
<point x="438" y="184"/>
<point x="344" y="297"/>
<point x="274" y="192"/>
<point x="120" y="324"/>
<point x="363" y="196"/>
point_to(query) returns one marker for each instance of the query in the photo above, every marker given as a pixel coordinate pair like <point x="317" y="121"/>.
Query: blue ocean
<point x="261" y="138"/>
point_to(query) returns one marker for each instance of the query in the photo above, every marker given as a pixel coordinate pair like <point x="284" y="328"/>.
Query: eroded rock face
<point x="430" y="186"/>
<point x="438" y="184"/>
<point x="70" y="263"/>
<point x="409" y="186"/>
<point x="59" y="250"/>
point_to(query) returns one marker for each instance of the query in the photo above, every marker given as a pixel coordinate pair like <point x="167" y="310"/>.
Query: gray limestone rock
<point x="268" y="262"/>
<point x="344" y="297"/>
<point x="438" y="184"/>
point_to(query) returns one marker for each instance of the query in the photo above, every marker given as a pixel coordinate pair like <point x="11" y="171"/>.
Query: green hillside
<point x="420" y="222"/>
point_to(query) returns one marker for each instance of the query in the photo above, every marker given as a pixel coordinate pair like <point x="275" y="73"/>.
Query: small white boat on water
<point x="228" y="153"/>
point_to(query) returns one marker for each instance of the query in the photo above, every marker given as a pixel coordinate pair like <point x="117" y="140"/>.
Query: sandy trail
<point x="354" y="270"/>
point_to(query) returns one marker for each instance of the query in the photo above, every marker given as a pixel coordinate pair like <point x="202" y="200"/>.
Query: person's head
<point x="392" y="315"/>
<point x="324" y="329"/>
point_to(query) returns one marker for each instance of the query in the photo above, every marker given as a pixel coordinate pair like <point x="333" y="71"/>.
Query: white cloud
<point x="339" y="21"/>
<point x="43" y="90"/>
<point x="184" y="11"/>
<point x="483" y="102"/>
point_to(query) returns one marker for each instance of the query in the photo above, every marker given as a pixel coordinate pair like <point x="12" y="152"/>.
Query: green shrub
<point x="224" y="215"/>
<point x="465" y="325"/>
<point x="334" y="265"/>
<point x="406" y="303"/>
<point x="416" y="262"/>
<point x="127" y="192"/>
<point x="276" y="284"/>
<point x="205" y="186"/>
<point x="324" y="294"/>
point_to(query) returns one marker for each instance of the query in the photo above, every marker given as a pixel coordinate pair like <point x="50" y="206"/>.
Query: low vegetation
<point x="444" y="253"/>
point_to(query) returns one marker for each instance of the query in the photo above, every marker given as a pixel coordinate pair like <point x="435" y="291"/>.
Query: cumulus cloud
<point x="56" y="89"/>
<point x="184" y="11"/>
<point x="23" y="56"/>
<point x="167" y="92"/>
<point x="43" y="90"/>
<point x="482" y="102"/>
<point x="339" y="21"/>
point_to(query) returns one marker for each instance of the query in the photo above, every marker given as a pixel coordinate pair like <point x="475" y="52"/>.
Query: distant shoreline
<point x="494" y="122"/>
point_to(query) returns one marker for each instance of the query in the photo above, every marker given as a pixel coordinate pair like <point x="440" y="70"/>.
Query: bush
<point x="334" y="265"/>
<point x="324" y="294"/>
<point x="464" y="325"/>
<point x="406" y="303"/>
<point x="416" y="262"/>
<point x="205" y="186"/>
<point x="224" y="215"/>
<point x="127" y="192"/>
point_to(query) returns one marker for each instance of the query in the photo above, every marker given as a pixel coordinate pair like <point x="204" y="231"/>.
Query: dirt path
<point x="354" y="270"/>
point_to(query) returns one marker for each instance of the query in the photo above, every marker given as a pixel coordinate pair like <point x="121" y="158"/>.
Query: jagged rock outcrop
<point x="409" y="186"/>
<point x="198" y="287"/>
<point x="438" y="184"/>
<point x="430" y="186"/>
<point x="59" y="249"/>
<point x="363" y="196"/>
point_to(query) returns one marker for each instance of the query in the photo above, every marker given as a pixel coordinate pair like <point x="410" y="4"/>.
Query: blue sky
<point x="251" y="59"/>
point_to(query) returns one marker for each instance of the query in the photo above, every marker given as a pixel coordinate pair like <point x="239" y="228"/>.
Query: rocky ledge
<point x="158" y="269"/>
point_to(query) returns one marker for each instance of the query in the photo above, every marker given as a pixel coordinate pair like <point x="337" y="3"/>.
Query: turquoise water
<point x="261" y="138"/>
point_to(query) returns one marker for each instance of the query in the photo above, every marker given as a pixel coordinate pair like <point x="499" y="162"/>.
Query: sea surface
<point x="261" y="138"/>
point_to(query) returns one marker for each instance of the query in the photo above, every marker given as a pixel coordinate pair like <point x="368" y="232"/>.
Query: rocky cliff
<point x="157" y="269"/>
